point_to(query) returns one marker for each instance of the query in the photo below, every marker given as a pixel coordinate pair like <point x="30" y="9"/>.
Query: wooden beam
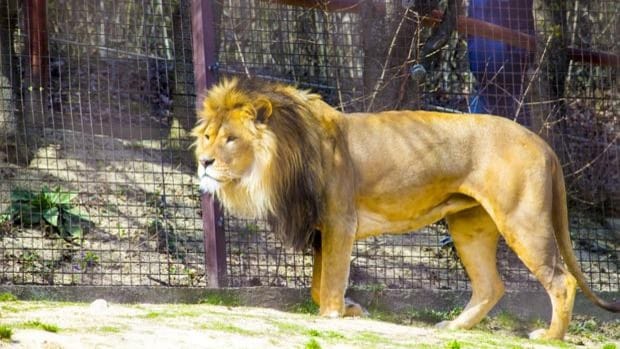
<point x="205" y="75"/>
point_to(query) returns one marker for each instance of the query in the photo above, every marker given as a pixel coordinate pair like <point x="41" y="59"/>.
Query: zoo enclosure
<point x="98" y="98"/>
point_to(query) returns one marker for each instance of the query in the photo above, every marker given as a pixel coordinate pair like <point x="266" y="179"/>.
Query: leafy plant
<point x="89" y="260"/>
<point x="53" y="207"/>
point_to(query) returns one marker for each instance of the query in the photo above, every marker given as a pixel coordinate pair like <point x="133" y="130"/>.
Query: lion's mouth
<point x="213" y="178"/>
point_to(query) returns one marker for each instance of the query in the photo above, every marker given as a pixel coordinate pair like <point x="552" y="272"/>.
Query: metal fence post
<point x="205" y="62"/>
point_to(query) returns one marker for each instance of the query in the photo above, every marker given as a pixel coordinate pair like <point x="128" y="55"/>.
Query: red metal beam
<point x="205" y="64"/>
<point x="36" y="21"/>
<point x="330" y="5"/>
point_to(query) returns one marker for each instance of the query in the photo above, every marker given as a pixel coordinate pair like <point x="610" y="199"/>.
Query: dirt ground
<point x="55" y="325"/>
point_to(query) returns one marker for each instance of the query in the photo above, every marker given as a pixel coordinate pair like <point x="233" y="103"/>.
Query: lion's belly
<point x="401" y="216"/>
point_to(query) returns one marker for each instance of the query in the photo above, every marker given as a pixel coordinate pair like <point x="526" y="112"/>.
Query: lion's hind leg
<point x="533" y="241"/>
<point x="475" y="237"/>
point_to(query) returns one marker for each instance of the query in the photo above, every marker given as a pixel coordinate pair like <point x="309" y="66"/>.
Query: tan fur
<point x="306" y="167"/>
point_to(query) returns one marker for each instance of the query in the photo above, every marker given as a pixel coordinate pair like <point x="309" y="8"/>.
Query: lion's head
<point x="258" y="148"/>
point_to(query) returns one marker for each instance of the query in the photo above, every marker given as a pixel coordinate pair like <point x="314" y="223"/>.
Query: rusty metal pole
<point x="36" y="19"/>
<point x="205" y="63"/>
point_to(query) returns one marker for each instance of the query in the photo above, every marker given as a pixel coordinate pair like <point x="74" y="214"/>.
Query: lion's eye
<point x="207" y="137"/>
<point x="230" y="139"/>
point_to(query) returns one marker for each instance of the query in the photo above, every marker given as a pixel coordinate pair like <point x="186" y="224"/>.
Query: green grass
<point x="5" y="332"/>
<point x="305" y="307"/>
<point x="609" y="346"/>
<point x="228" y="328"/>
<point x="312" y="344"/>
<point x="433" y="316"/>
<point x="108" y="329"/>
<point x="153" y="315"/>
<point x="453" y="344"/>
<point x="222" y="298"/>
<point x="325" y="334"/>
<point x="36" y="324"/>
<point x="7" y="297"/>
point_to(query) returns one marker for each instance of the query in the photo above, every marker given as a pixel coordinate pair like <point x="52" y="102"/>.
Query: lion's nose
<point x="206" y="162"/>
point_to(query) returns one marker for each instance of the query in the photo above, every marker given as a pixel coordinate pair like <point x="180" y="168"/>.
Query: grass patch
<point x="228" y="328"/>
<point x="312" y="344"/>
<point x="108" y="329"/>
<point x="289" y="328"/>
<point x="7" y="297"/>
<point x="305" y="307"/>
<point x="325" y="334"/>
<point x="36" y="324"/>
<point x="609" y="346"/>
<point x="153" y="315"/>
<point x="434" y="316"/>
<point x="221" y="298"/>
<point x="9" y="309"/>
<point x="453" y="344"/>
<point x="5" y="332"/>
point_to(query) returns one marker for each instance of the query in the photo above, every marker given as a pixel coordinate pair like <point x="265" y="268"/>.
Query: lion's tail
<point x="562" y="236"/>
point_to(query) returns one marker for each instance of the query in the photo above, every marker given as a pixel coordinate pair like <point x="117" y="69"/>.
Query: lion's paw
<point x="353" y="309"/>
<point x="540" y="333"/>
<point x="331" y="314"/>
<point x="449" y="325"/>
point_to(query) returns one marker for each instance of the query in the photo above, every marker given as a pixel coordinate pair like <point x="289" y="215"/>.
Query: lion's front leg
<point x="315" y="290"/>
<point x="351" y="308"/>
<point x="336" y="248"/>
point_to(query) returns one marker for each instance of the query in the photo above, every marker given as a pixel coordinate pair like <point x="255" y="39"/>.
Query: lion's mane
<point x="291" y="183"/>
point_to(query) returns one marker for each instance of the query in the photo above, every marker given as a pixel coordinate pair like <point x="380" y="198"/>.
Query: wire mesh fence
<point x="97" y="186"/>
<point x="105" y="194"/>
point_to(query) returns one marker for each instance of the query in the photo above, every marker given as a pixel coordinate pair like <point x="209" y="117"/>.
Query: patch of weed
<point x="305" y="307"/>
<point x="609" y="346"/>
<point x="453" y="344"/>
<point x="5" y="332"/>
<point x="382" y="315"/>
<point x="289" y="328"/>
<point x="583" y="327"/>
<point x="221" y="298"/>
<point x="312" y="344"/>
<point x="325" y="334"/>
<point x="7" y="297"/>
<point x="153" y="315"/>
<point x="36" y="324"/>
<point x="433" y="316"/>
<point x="108" y="329"/>
<point x="228" y="328"/>
<point x="369" y="338"/>
<point x="9" y="309"/>
<point x="508" y="320"/>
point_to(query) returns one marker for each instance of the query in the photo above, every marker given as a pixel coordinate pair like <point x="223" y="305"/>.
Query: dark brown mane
<point x="297" y="188"/>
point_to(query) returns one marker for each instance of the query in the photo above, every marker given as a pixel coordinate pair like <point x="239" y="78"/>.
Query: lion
<point x="323" y="179"/>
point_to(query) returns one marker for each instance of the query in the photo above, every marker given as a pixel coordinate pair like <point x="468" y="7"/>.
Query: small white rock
<point x="99" y="306"/>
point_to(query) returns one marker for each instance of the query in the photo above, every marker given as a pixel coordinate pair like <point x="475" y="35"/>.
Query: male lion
<point x="272" y="151"/>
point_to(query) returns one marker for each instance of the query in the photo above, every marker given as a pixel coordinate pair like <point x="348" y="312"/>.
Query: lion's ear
<point x="263" y="109"/>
